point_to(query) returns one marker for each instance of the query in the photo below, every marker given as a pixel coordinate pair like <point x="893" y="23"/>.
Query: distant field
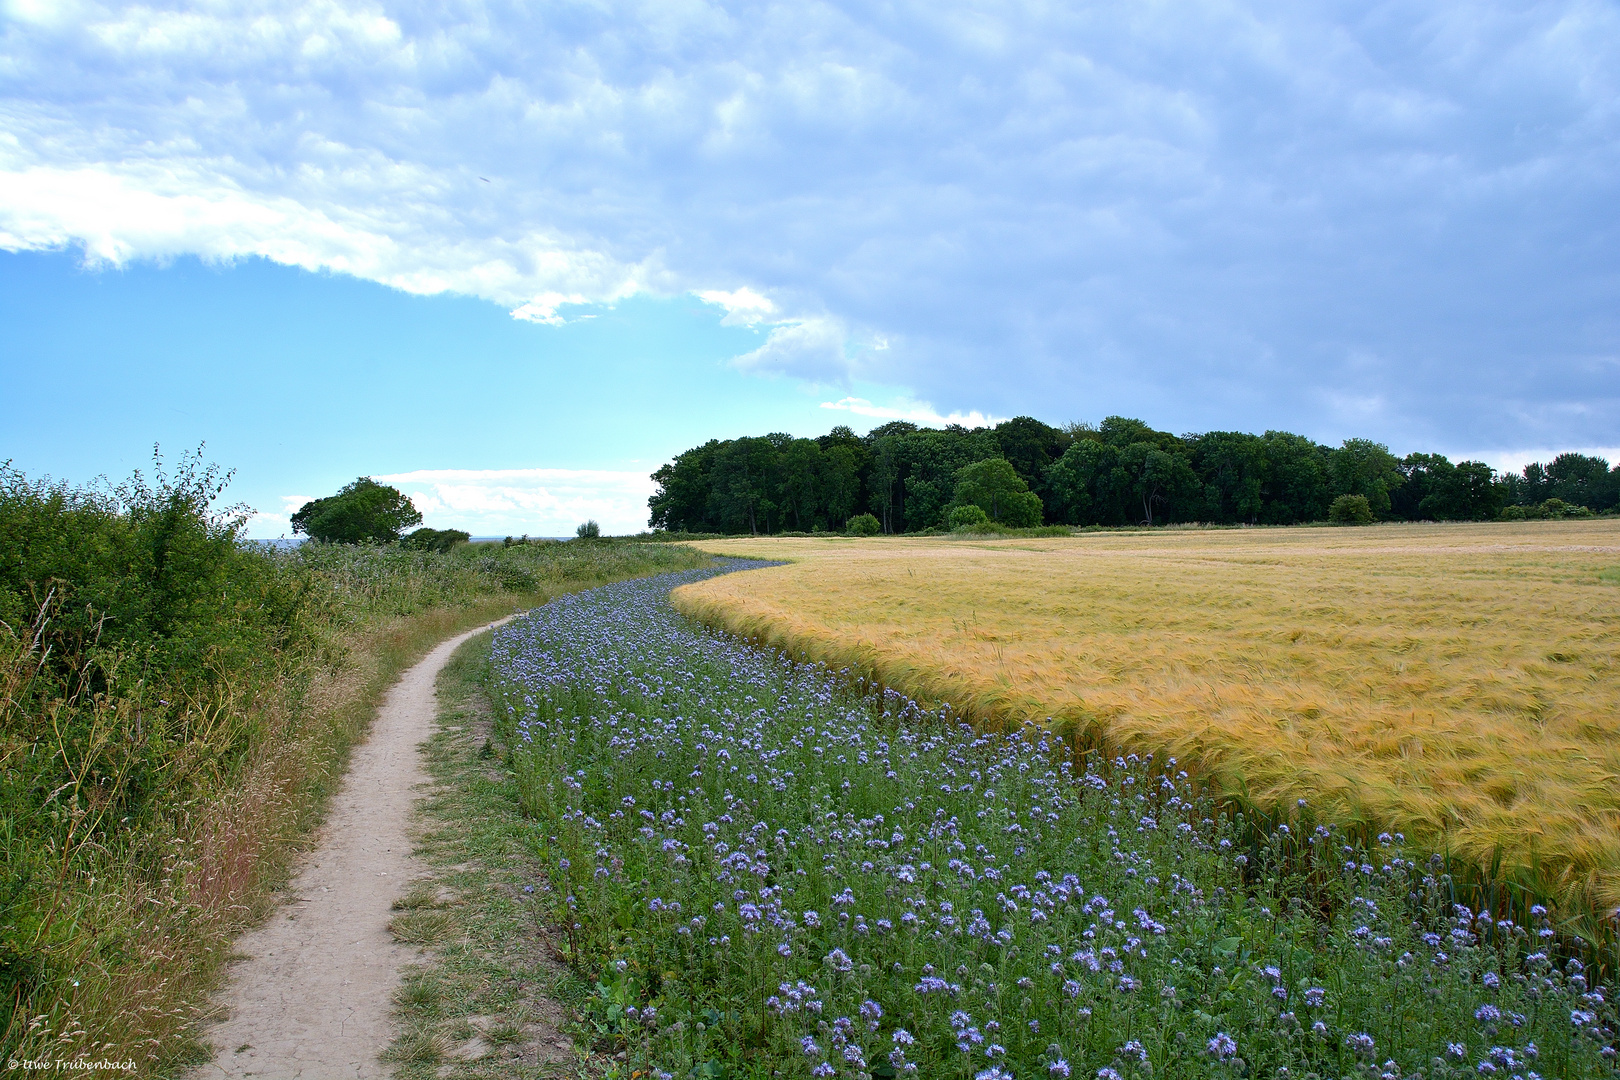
<point x="1461" y="682"/>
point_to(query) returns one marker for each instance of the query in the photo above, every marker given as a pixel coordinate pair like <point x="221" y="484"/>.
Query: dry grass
<point x="1460" y="682"/>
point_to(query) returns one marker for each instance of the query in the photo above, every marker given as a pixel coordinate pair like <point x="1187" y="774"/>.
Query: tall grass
<point x="175" y="704"/>
<point x="1455" y="682"/>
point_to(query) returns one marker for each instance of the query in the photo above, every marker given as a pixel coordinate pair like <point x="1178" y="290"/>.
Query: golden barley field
<point x="1458" y="682"/>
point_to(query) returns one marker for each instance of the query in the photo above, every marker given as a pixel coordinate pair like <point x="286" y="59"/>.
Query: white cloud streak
<point x="917" y="412"/>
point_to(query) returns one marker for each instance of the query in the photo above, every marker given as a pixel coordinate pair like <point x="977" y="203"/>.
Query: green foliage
<point x="146" y="654"/>
<point x="966" y="517"/>
<point x="1553" y="509"/>
<point x="1119" y="472"/>
<point x="996" y="488"/>
<point x="434" y="539"/>
<point x="1351" y="510"/>
<point x="589" y="530"/>
<point x="1363" y="467"/>
<point x="863" y="525"/>
<point x="364" y="511"/>
<point x="136" y="636"/>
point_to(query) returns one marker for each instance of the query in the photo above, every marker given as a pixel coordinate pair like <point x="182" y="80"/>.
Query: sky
<point x="513" y="256"/>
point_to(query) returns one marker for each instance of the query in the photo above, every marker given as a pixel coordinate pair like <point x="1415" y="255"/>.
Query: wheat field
<point x="1457" y="682"/>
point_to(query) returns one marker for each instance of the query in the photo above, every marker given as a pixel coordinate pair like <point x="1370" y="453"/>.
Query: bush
<point x="965" y="517"/>
<point x="434" y="539"/>
<point x="1350" y="510"/>
<point x="1555" y="509"/>
<point x="590" y="530"/>
<point x="863" y="525"/>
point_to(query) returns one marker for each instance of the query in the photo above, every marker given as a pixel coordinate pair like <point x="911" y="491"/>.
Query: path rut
<point x="313" y="999"/>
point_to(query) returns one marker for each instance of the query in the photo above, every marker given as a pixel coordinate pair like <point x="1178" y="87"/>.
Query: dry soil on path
<point x="313" y="996"/>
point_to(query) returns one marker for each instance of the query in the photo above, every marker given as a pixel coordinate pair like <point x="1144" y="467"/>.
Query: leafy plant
<point x="965" y="517"/>
<point x="1351" y="510"/>
<point x="863" y="525"/>
<point x="434" y="539"/>
<point x="364" y="511"/>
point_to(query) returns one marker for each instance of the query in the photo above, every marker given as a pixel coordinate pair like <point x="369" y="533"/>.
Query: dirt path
<point x="314" y="998"/>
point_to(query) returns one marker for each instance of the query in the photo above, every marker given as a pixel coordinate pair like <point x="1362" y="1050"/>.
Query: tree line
<point x="1025" y="472"/>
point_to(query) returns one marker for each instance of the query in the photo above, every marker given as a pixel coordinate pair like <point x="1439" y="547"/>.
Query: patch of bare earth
<point x="313" y="992"/>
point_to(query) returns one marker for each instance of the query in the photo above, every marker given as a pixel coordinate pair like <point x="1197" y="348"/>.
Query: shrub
<point x="590" y="530"/>
<point x="965" y="517"/>
<point x="434" y="539"/>
<point x="1350" y="510"/>
<point x="863" y="525"/>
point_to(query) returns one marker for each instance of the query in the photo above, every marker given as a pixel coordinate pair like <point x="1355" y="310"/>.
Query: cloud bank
<point x="1394" y="220"/>
<point x="540" y="502"/>
<point x="505" y="502"/>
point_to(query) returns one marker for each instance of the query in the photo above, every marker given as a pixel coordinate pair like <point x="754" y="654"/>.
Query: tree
<point x="1031" y="447"/>
<point x="1082" y="484"/>
<point x="1417" y="498"/>
<point x="1470" y="493"/>
<point x="840" y="483"/>
<point x="741" y="484"/>
<point x="589" y="530"/>
<point x="1580" y="481"/>
<point x="885" y="480"/>
<point x="681" y="503"/>
<point x="1363" y="467"/>
<point x="931" y="460"/>
<point x="1159" y="478"/>
<point x="364" y="511"/>
<point x="1296" y="479"/>
<point x="1231" y="465"/>
<point x="995" y="487"/>
<point x="800" y="493"/>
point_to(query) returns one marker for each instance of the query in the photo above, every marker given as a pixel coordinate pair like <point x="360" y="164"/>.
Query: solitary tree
<point x="363" y="511"/>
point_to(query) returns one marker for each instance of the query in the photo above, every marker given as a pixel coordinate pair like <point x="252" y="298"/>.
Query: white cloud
<point x="917" y="412"/>
<point x="1193" y="212"/>
<point x="811" y="349"/>
<point x="540" y="502"/>
<point x="744" y="306"/>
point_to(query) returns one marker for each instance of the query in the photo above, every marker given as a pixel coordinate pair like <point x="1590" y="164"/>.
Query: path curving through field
<point x="313" y="999"/>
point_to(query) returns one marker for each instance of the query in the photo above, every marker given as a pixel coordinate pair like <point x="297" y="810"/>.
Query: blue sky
<point x="518" y="254"/>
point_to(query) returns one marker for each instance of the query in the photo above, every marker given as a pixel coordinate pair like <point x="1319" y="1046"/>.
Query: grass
<point x="486" y="1001"/>
<point x="763" y="871"/>
<point x="175" y="707"/>
<point x="1457" y="682"/>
